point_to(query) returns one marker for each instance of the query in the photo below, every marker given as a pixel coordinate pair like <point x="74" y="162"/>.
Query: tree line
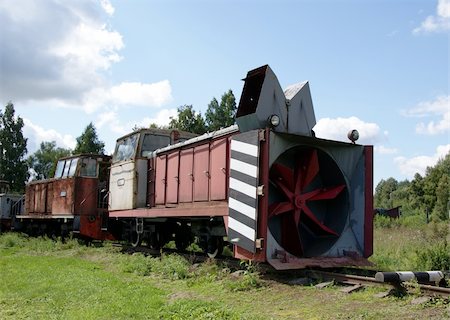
<point x="16" y="168"/>
<point x="427" y="195"/>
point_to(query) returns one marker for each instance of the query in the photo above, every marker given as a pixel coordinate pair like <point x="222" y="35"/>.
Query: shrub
<point x="246" y="279"/>
<point x="136" y="263"/>
<point x="171" y="266"/>
<point x="194" y="309"/>
<point x="436" y="257"/>
<point x="11" y="240"/>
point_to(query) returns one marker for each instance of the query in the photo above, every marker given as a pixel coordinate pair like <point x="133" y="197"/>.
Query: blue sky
<point x="381" y="67"/>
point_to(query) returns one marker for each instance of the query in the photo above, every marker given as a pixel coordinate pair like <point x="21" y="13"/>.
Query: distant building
<point x="392" y="213"/>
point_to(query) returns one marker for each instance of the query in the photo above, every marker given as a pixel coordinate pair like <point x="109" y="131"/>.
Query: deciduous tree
<point x="221" y="115"/>
<point x="13" y="147"/>
<point x="43" y="161"/>
<point x="188" y="120"/>
<point x="88" y="142"/>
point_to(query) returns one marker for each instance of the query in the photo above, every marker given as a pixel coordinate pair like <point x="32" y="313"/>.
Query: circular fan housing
<point x="308" y="203"/>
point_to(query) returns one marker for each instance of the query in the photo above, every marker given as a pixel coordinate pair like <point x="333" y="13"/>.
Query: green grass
<point x="46" y="279"/>
<point x="398" y="247"/>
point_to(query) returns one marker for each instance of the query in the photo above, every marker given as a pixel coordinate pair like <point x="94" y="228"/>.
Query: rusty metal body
<point x="74" y="200"/>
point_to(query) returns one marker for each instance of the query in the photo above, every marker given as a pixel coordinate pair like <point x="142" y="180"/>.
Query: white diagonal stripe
<point x="243" y="147"/>
<point x="241" y="228"/>
<point x="243" y="187"/>
<point x="242" y="208"/>
<point x="243" y="167"/>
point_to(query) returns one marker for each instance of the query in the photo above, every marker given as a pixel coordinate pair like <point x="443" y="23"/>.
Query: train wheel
<point x="137" y="232"/>
<point x="214" y="247"/>
<point x="183" y="237"/>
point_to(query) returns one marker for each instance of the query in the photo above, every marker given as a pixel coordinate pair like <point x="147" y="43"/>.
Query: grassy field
<point x="45" y="279"/>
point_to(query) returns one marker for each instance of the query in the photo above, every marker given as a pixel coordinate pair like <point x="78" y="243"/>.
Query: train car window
<point x="88" y="167"/>
<point x="66" y="168"/>
<point x="59" y="168"/>
<point x="151" y="142"/>
<point x="125" y="149"/>
<point x="73" y="167"/>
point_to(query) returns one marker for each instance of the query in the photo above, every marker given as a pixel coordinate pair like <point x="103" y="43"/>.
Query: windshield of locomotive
<point x="151" y="142"/>
<point x="126" y="148"/>
<point x="66" y="168"/>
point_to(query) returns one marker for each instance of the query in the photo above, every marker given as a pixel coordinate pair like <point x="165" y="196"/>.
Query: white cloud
<point x="385" y="150"/>
<point x="107" y="6"/>
<point x="128" y="94"/>
<point x="64" y="50"/>
<point x="439" y="109"/>
<point x="337" y="129"/>
<point x="111" y="119"/>
<point x="436" y="23"/>
<point x="162" y="118"/>
<point x="410" y="166"/>
<point x="37" y="134"/>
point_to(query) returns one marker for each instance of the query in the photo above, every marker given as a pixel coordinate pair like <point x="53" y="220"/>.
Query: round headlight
<point x="274" y="120"/>
<point x="353" y="135"/>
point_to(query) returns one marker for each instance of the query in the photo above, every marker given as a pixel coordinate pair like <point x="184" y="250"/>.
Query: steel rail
<point x="354" y="279"/>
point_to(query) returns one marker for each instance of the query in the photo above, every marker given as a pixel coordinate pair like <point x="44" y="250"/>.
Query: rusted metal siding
<point x="218" y="169"/>
<point x="85" y="197"/>
<point x="160" y="179"/>
<point x="194" y="174"/>
<point x="186" y="175"/>
<point x="151" y="182"/>
<point x="63" y="196"/>
<point x="38" y="197"/>
<point x="172" y="177"/>
<point x="201" y="172"/>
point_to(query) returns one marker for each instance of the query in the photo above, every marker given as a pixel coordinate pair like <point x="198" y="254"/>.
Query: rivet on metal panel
<point x="207" y="174"/>
<point x="288" y="102"/>
<point x="260" y="190"/>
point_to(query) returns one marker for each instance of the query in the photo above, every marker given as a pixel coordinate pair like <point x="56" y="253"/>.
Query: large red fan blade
<point x="280" y="207"/>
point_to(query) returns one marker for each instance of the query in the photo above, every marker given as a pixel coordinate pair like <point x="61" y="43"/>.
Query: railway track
<point x="357" y="280"/>
<point x="353" y="278"/>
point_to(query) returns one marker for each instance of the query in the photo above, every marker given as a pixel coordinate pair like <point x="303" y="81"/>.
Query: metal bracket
<point x="259" y="243"/>
<point x="260" y="190"/>
<point x="262" y="135"/>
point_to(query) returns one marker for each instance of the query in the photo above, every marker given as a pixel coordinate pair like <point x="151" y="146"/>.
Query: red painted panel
<point x="368" y="194"/>
<point x="85" y="197"/>
<point x="160" y="180"/>
<point x="151" y="183"/>
<point x="29" y="199"/>
<point x="63" y="196"/>
<point x="186" y="175"/>
<point x="201" y="172"/>
<point x="172" y="177"/>
<point x="218" y="169"/>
